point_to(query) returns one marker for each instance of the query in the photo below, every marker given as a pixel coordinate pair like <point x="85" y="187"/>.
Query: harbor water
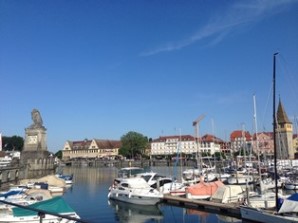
<point x="88" y="197"/>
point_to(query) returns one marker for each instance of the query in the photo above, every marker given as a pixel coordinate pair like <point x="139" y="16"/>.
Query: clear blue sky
<point x="99" y="69"/>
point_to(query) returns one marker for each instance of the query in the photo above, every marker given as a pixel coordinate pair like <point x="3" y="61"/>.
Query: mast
<point x="274" y="132"/>
<point x="257" y="141"/>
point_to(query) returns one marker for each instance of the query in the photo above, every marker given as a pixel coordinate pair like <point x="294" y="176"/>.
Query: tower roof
<point x="281" y="114"/>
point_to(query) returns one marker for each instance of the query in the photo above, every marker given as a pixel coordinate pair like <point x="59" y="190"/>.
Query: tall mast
<point x="274" y="132"/>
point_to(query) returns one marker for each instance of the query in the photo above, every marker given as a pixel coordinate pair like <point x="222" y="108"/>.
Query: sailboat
<point x="258" y="215"/>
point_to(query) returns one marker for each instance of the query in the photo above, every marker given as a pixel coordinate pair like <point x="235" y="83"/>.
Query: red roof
<point x="239" y="134"/>
<point x="182" y="137"/>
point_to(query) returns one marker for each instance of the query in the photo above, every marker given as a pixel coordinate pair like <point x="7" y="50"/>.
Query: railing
<point x="42" y="213"/>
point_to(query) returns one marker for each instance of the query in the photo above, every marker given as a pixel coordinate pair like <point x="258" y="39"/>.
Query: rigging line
<point x="266" y="107"/>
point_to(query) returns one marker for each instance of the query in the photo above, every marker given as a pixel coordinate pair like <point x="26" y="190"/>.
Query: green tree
<point x="59" y="154"/>
<point x="220" y="155"/>
<point x="15" y="143"/>
<point x="133" y="144"/>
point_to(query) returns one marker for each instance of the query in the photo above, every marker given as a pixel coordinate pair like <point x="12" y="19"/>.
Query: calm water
<point x="88" y="197"/>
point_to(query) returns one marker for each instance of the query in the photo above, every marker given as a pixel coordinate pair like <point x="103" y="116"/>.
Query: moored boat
<point x="134" y="190"/>
<point x="55" y="205"/>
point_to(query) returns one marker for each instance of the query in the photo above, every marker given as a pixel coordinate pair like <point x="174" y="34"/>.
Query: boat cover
<point x="290" y="205"/>
<point x="10" y="193"/>
<point x="55" y="205"/>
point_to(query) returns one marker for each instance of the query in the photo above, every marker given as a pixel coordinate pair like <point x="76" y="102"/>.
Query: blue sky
<point x="99" y="69"/>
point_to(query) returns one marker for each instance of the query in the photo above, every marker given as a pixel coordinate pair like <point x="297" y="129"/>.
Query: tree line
<point x="13" y="143"/>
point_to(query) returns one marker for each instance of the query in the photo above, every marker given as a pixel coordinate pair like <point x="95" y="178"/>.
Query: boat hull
<point x="134" y="198"/>
<point x="256" y="215"/>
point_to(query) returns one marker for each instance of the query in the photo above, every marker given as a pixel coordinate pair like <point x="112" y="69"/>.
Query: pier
<point x="231" y="210"/>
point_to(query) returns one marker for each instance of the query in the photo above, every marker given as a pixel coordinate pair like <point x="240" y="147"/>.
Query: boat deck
<point x="232" y="209"/>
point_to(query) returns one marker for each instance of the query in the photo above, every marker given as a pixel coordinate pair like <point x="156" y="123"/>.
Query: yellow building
<point x="95" y="148"/>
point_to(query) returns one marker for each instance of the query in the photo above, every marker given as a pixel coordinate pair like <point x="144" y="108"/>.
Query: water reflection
<point x="226" y="219"/>
<point x="201" y="214"/>
<point x="133" y="213"/>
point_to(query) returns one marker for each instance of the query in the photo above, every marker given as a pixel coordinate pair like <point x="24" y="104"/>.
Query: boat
<point x="291" y="184"/>
<point x="165" y="185"/>
<point x="55" y="205"/>
<point x="240" y="179"/>
<point x="12" y="193"/>
<point x="203" y="190"/>
<point x="67" y="178"/>
<point x="228" y="194"/>
<point x="127" y="172"/>
<point x="263" y="216"/>
<point x="28" y="197"/>
<point x="134" y="190"/>
<point x="193" y="176"/>
<point x="46" y="186"/>
<point x="265" y="200"/>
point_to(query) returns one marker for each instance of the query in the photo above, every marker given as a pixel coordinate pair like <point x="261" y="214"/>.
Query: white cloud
<point x="220" y="26"/>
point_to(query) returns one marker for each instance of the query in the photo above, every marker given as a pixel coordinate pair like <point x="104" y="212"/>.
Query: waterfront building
<point x="265" y="144"/>
<point x="240" y="139"/>
<point x="186" y="144"/>
<point x="95" y="148"/>
<point x="210" y="144"/>
<point x="170" y="145"/>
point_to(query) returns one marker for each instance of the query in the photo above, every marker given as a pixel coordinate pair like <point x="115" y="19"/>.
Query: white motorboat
<point x="134" y="190"/>
<point x="164" y="184"/>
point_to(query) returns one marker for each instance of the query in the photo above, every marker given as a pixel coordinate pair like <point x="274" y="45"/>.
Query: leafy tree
<point x="59" y="154"/>
<point x="220" y="155"/>
<point x="133" y="144"/>
<point x="15" y="143"/>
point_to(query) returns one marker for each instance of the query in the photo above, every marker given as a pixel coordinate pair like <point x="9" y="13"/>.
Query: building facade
<point x="95" y="148"/>
<point x="186" y="144"/>
<point x="263" y="144"/>
<point x="240" y="139"/>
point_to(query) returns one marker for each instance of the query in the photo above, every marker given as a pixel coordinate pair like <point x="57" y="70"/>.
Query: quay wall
<point x="125" y="163"/>
<point x="10" y="175"/>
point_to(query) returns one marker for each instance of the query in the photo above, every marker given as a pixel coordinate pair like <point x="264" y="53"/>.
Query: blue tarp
<point x="293" y="197"/>
<point x="10" y="193"/>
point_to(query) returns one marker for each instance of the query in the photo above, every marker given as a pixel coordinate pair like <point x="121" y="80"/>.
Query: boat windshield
<point x="130" y="171"/>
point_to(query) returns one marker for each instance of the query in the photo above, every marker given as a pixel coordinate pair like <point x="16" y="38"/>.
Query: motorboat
<point x="166" y="185"/>
<point x="67" y="178"/>
<point x="134" y="190"/>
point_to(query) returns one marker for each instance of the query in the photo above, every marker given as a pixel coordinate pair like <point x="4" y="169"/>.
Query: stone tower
<point x="35" y="157"/>
<point x="284" y="133"/>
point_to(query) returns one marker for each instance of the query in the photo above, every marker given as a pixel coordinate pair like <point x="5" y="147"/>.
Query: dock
<point x="231" y="210"/>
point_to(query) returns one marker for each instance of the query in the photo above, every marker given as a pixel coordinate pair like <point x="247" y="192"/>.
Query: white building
<point x="186" y="144"/>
